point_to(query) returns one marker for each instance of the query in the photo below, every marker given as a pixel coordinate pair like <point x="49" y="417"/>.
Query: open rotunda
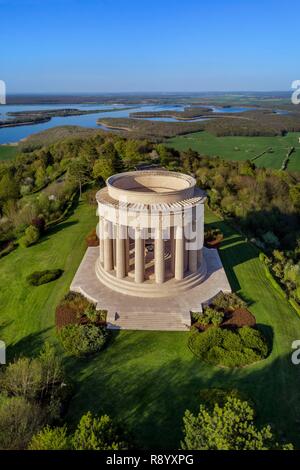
<point x="150" y="269"/>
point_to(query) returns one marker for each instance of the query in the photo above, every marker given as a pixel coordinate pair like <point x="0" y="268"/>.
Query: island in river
<point x="23" y="118"/>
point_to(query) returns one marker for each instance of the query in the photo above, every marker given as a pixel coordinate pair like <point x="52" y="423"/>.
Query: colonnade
<point x="115" y="251"/>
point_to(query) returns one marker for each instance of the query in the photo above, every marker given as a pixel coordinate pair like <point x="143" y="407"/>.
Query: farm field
<point x="243" y="148"/>
<point x="148" y="379"/>
<point x="7" y="152"/>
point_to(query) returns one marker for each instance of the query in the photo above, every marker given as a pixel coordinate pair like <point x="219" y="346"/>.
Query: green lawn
<point x="243" y="148"/>
<point x="27" y="313"/>
<point x="148" y="379"/>
<point x="7" y="152"/>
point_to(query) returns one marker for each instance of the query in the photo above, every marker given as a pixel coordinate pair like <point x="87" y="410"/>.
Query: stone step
<point x="163" y="321"/>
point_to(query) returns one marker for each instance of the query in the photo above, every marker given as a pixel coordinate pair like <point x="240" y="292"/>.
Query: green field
<point x="148" y="379"/>
<point x="243" y="148"/>
<point x="7" y="152"/>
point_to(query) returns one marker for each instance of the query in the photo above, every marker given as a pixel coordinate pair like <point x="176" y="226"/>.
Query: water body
<point x="14" y="134"/>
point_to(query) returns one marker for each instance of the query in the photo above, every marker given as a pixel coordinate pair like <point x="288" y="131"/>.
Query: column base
<point x="150" y="288"/>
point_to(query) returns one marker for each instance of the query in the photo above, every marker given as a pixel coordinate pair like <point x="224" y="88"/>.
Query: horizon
<point x="141" y="92"/>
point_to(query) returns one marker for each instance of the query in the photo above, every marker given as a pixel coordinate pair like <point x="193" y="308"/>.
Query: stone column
<point x="159" y="255"/>
<point x="186" y="255"/>
<point x="108" y="246"/>
<point x="179" y="253"/>
<point x="193" y="256"/>
<point x="139" y="256"/>
<point x="199" y="257"/>
<point x="101" y="240"/>
<point x="120" y="252"/>
<point x="172" y="249"/>
<point x="127" y="268"/>
<point x="114" y="237"/>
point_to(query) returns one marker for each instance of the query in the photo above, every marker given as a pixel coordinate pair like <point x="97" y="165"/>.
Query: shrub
<point x="92" y="433"/>
<point x="229" y="301"/>
<point x="213" y="237"/>
<point x="82" y="340"/>
<point x="227" y="348"/>
<point x="200" y="343"/>
<point x="30" y="237"/>
<point x="97" y="433"/>
<point x="19" y="420"/>
<point x="74" y="309"/>
<point x="232" y="341"/>
<point x="50" y="439"/>
<point x="211" y="316"/>
<point x="92" y="238"/>
<point x="253" y="339"/>
<point x="9" y="247"/>
<point x="39" y="223"/>
<point x="38" y="278"/>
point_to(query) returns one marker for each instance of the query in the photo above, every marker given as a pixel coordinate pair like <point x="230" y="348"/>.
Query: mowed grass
<point x="27" y="312"/>
<point x="243" y="148"/>
<point x="148" y="379"/>
<point x="7" y="152"/>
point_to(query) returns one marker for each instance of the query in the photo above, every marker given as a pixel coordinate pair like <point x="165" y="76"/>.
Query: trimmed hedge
<point x="227" y="348"/>
<point x="38" y="278"/>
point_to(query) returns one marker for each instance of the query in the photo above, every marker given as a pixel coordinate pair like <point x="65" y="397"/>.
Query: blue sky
<point x="155" y="45"/>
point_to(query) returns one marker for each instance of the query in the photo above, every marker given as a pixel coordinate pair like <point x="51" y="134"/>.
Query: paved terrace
<point x="157" y="314"/>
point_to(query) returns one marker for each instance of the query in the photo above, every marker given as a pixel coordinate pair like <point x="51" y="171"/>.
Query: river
<point x="14" y="134"/>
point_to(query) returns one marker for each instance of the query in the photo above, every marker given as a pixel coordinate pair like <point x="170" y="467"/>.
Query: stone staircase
<point x="151" y="321"/>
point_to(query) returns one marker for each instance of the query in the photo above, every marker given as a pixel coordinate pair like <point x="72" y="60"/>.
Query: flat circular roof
<point x="151" y="187"/>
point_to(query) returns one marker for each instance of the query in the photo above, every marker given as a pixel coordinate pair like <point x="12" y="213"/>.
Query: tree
<point x="30" y="236"/>
<point x="40" y="177"/>
<point x="97" y="433"/>
<point x="50" y="439"/>
<point x="79" y="171"/>
<point x="227" y="427"/>
<point x="295" y="195"/>
<point x="34" y="378"/>
<point x="103" y="169"/>
<point x="52" y="370"/>
<point x="19" y="420"/>
<point x="9" y="188"/>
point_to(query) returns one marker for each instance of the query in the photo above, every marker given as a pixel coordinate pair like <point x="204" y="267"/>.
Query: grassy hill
<point x="148" y="379"/>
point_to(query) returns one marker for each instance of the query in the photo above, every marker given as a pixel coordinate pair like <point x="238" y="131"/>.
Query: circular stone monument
<point x="151" y="230"/>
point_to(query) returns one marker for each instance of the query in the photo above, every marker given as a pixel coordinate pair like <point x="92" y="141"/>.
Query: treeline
<point x="188" y="113"/>
<point x="254" y="123"/>
<point x="151" y="129"/>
